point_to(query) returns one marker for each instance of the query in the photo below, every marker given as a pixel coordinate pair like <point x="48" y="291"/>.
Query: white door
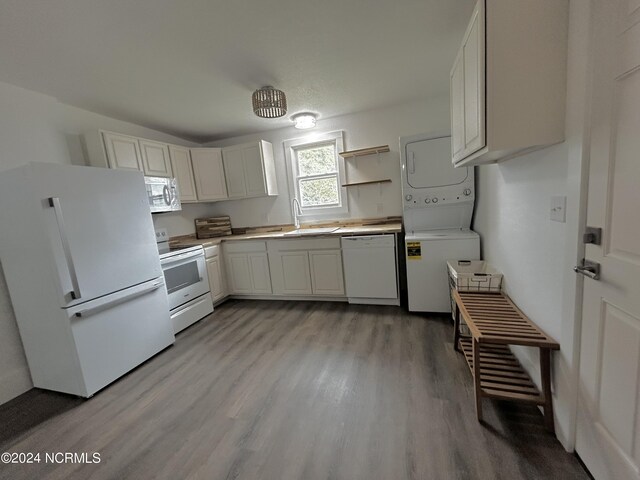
<point x="295" y="273"/>
<point x="209" y="173"/>
<point x="183" y="171"/>
<point x="234" y="172"/>
<point x="103" y="217"/>
<point x="214" y="271"/>
<point x="123" y="152"/>
<point x="456" y="86"/>
<point x="155" y="159"/>
<point x="326" y="272"/>
<point x="260" y="276"/>
<point x="608" y="427"/>
<point x="474" y="80"/>
<point x="254" y="170"/>
<point x="239" y="273"/>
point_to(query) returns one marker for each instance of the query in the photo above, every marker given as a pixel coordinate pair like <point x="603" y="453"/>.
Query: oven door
<point x="185" y="276"/>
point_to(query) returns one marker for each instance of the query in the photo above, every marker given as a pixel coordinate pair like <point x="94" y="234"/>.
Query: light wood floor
<point x="291" y="390"/>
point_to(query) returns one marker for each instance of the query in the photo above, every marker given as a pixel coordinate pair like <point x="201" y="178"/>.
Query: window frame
<point x="317" y="212"/>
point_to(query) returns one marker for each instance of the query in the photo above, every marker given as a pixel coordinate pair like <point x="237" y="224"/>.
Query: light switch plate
<point x="558" y="209"/>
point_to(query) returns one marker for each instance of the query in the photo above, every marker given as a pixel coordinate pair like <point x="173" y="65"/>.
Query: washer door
<point x="429" y="164"/>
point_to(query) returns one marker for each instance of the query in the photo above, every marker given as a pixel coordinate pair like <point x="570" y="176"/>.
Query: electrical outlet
<point x="558" y="209"/>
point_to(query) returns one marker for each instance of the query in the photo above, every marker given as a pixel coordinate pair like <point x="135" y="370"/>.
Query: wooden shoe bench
<point x="494" y="323"/>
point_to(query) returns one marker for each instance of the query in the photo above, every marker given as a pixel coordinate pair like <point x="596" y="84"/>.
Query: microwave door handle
<point x="166" y="194"/>
<point x="55" y="203"/>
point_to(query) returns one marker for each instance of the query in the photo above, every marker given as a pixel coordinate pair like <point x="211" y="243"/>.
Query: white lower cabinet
<point x="306" y="267"/>
<point x="247" y="268"/>
<point x="215" y="271"/>
<point x="326" y="272"/>
<point x="291" y="273"/>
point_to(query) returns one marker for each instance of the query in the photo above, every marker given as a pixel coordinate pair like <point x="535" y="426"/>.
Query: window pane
<point x="321" y="191"/>
<point x="316" y="160"/>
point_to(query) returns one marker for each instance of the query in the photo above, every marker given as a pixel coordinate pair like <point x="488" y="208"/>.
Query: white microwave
<point x="163" y="194"/>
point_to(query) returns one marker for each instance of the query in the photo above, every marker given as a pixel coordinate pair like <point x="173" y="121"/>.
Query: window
<point x="316" y="175"/>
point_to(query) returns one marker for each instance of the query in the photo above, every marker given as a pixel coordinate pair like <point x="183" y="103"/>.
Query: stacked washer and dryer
<point x="438" y="202"/>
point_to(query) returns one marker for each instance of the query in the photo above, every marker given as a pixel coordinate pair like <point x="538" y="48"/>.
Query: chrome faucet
<point x="297" y="212"/>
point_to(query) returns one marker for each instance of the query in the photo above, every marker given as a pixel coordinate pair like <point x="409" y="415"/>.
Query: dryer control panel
<point x="439" y="196"/>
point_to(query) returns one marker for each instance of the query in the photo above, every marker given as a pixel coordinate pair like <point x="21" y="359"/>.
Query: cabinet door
<point x="473" y="58"/>
<point x="254" y="171"/>
<point x="123" y="152"/>
<point x="216" y="282"/>
<point x="234" y="172"/>
<point x="326" y="272"/>
<point x="294" y="275"/>
<point x="260" y="276"/>
<point x="457" y="108"/>
<point x="239" y="273"/>
<point x="155" y="159"/>
<point x="209" y="173"/>
<point x="183" y="171"/>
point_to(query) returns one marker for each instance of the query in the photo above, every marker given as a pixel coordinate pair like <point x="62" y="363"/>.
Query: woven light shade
<point x="269" y="103"/>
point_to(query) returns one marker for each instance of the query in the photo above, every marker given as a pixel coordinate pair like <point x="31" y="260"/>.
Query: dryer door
<point x="429" y="164"/>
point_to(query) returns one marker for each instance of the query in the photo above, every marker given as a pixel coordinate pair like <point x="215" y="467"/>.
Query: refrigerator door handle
<point x="118" y="301"/>
<point x="57" y="208"/>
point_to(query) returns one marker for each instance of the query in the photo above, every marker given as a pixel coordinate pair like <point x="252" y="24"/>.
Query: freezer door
<point x="100" y="228"/>
<point x="429" y="164"/>
<point x="116" y="333"/>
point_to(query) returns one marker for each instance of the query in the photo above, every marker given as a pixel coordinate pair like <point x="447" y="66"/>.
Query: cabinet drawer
<point x="248" y="246"/>
<point x="211" y="251"/>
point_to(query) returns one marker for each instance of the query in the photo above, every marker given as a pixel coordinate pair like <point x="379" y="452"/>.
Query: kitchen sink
<point x="312" y="231"/>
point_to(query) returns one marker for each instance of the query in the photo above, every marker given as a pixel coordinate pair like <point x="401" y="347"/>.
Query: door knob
<point x="588" y="269"/>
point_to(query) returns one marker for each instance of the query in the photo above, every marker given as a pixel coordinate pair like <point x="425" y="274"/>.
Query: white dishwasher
<point x="370" y="269"/>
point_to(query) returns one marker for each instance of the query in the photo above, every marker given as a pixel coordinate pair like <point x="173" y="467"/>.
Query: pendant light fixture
<point x="304" y="120"/>
<point x="269" y="102"/>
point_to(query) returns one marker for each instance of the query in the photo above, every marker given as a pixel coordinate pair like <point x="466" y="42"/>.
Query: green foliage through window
<point x="318" y="176"/>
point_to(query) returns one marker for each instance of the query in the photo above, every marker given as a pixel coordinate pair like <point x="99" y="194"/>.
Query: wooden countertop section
<point x="283" y="233"/>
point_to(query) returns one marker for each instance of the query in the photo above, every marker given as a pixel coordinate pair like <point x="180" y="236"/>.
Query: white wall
<point x="535" y="254"/>
<point x="364" y="129"/>
<point x="36" y="127"/>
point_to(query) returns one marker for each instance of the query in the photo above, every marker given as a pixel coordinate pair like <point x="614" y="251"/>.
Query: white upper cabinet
<point x="209" y="174"/>
<point x="155" y="159"/>
<point x="122" y="151"/>
<point x="508" y="80"/>
<point x="183" y="171"/>
<point x="250" y="170"/>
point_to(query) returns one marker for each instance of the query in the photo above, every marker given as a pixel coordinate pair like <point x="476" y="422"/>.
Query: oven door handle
<point x="177" y="258"/>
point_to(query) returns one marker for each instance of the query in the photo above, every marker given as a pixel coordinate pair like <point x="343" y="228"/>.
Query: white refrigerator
<point x="79" y="254"/>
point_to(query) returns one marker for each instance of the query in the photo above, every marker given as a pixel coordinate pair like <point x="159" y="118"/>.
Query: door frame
<point x="578" y="144"/>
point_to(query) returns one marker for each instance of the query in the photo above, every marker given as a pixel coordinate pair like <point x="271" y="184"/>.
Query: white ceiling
<point x="188" y="67"/>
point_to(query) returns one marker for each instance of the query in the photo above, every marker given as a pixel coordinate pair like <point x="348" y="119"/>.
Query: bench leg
<point x="456" y="330"/>
<point x="476" y="379"/>
<point x="545" y="374"/>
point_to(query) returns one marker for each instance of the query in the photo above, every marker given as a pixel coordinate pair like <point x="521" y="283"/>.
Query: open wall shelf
<point x="364" y="151"/>
<point x="371" y="182"/>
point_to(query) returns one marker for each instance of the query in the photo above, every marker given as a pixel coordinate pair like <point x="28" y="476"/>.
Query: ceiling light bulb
<point x="304" y="120"/>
